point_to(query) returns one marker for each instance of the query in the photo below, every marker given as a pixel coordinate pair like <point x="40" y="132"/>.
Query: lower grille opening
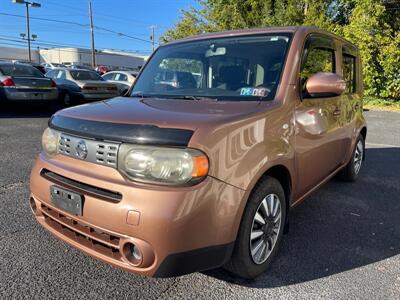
<point x="81" y="187"/>
<point x="102" y="242"/>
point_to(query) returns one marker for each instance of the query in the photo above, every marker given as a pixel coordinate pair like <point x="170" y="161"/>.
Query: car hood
<point x="165" y="113"/>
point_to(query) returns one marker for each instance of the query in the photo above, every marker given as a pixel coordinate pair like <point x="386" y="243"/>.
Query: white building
<point x="9" y="53"/>
<point x="79" y="56"/>
<point x="108" y="58"/>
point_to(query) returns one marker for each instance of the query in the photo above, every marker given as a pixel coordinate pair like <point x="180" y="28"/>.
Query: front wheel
<point x="260" y="231"/>
<point x="66" y="99"/>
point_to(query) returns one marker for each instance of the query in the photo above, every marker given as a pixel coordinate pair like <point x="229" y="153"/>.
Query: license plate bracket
<point x="67" y="200"/>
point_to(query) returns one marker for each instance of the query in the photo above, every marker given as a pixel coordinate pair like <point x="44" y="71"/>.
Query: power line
<point x="79" y="24"/>
<point x="45" y="19"/>
<point x="53" y="44"/>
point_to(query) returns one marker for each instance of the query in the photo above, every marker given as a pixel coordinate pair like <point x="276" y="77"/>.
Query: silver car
<point x="80" y="85"/>
<point x="123" y="79"/>
<point x="24" y="82"/>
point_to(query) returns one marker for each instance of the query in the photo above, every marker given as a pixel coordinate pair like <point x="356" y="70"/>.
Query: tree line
<point x="373" y="25"/>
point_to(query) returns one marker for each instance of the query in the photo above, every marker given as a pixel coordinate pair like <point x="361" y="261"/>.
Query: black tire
<point x="350" y="171"/>
<point x="242" y="263"/>
<point x="66" y="99"/>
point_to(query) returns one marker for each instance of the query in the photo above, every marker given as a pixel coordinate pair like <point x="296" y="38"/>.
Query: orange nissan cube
<point x="199" y="164"/>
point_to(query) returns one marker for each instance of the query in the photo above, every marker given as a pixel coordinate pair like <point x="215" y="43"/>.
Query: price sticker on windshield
<point x="258" y="92"/>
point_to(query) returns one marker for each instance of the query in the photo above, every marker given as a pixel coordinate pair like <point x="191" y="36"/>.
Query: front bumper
<point x="178" y="230"/>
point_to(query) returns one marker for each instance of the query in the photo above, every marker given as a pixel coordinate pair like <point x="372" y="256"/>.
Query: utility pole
<point x="28" y="31"/>
<point x="92" y="35"/>
<point x="152" y="27"/>
<point x="27" y="4"/>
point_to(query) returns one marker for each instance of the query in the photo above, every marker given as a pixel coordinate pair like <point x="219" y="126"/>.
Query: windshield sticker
<point x="260" y="92"/>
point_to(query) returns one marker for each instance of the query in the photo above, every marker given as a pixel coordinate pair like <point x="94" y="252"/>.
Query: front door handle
<point x="336" y="112"/>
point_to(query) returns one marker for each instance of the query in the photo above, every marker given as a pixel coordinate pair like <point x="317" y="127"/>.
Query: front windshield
<point x="85" y="75"/>
<point x="229" y="69"/>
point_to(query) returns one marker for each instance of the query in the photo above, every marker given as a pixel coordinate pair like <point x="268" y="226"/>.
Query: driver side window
<point x="318" y="60"/>
<point x="318" y="57"/>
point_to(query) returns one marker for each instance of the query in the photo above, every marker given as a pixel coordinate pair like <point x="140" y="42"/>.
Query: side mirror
<point x="325" y="85"/>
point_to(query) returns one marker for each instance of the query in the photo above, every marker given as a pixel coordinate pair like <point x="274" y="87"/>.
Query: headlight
<point x="162" y="165"/>
<point x="50" y="141"/>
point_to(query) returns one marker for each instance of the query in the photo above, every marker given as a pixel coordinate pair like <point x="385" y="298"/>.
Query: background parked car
<point x="79" y="85"/>
<point x="123" y="79"/>
<point x="39" y="67"/>
<point x="76" y="66"/>
<point x="49" y="66"/>
<point x="101" y="70"/>
<point x="24" y="82"/>
<point x="177" y="79"/>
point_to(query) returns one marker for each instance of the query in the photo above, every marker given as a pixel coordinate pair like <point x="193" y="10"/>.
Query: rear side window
<point x="121" y="77"/>
<point x="52" y="74"/>
<point x="20" y="70"/>
<point x="61" y="75"/>
<point x="349" y="72"/>
<point x="85" y="75"/>
<point x="109" y="76"/>
<point x="318" y="60"/>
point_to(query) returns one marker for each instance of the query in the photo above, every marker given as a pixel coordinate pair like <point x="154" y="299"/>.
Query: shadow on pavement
<point x="28" y="110"/>
<point x="341" y="227"/>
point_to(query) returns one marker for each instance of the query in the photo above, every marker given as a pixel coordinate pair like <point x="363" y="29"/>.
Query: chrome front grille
<point x="99" y="152"/>
<point x="106" y="154"/>
<point x="64" y="145"/>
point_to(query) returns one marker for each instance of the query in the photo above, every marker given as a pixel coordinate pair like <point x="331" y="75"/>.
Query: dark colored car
<point x="23" y="82"/>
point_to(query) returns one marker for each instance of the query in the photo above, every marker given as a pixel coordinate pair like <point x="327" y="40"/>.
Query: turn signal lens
<point x="200" y="166"/>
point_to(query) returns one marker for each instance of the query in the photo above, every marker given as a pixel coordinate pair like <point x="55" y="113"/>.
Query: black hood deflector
<point x="121" y="132"/>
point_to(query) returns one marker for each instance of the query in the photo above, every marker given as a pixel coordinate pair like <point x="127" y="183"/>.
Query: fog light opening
<point x="33" y="205"/>
<point x="133" y="254"/>
<point x="136" y="252"/>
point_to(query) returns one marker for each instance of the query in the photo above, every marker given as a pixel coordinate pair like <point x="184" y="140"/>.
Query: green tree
<point x="373" y="25"/>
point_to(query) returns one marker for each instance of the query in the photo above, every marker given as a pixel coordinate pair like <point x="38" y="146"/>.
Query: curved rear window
<point x="20" y="71"/>
<point x="85" y="75"/>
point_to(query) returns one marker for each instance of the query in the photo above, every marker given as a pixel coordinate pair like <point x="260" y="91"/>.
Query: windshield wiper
<point x="140" y="95"/>
<point x="191" y="97"/>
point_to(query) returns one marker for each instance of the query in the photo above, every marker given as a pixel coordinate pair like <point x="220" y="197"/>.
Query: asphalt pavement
<point x="343" y="243"/>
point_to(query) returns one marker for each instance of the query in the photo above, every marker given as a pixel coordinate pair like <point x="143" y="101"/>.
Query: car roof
<point x="71" y="69"/>
<point x="254" y="31"/>
<point x="10" y="63"/>
<point x="123" y="72"/>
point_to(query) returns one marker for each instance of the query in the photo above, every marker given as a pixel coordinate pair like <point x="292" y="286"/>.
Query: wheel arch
<point x="363" y="133"/>
<point x="281" y="173"/>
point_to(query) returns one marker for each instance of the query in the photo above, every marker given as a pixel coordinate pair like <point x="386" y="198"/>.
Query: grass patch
<point x="374" y="103"/>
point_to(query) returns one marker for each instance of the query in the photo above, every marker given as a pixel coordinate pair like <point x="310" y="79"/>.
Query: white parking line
<point x="381" y="145"/>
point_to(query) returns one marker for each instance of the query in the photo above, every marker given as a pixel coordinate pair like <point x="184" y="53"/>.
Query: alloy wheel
<point x="265" y="228"/>
<point x="358" y="156"/>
